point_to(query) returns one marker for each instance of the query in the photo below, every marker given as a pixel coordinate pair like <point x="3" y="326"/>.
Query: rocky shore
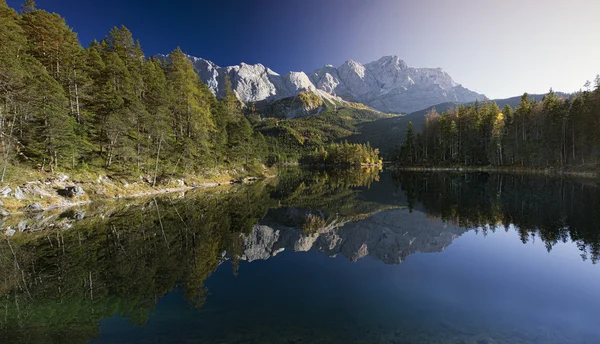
<point x="62" y="191"/>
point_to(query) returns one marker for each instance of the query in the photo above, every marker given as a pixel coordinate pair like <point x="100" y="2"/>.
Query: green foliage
<point x="353" y="154"/>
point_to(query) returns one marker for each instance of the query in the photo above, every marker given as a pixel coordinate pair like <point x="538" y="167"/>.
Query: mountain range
<point x="389" y="236"/>
<point x="387" y="85"/>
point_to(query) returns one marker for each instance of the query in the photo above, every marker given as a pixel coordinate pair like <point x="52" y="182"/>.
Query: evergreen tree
<point x="407" y="151"/>
<point x="192" y="120"/>
<point x="49" y="134"/>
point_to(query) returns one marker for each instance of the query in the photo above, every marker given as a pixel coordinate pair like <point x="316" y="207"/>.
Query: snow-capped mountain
<point x="387" y="84"/>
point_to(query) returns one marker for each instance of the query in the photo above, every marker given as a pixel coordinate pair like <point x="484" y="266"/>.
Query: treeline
<point x="556" y="132"/>
<point x="108" y="105"/>
<point x="353" y="154"/>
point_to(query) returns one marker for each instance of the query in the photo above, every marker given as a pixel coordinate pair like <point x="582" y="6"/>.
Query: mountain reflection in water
<point x="165" y="269"/>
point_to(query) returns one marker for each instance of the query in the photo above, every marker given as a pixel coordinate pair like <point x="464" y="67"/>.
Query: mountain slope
<point x="387" y="84"/>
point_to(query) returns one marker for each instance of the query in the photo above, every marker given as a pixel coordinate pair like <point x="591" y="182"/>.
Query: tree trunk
<point x="76" y="96"/>
<point x="573" y="142"/>
<point x="157" y="157"/>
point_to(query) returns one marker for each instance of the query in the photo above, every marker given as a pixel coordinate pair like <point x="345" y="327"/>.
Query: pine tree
<point x="158" y="134"/>
<point x="408" y="148"/>
<point x="192" y="120"/>
<point x="50" y="132"/>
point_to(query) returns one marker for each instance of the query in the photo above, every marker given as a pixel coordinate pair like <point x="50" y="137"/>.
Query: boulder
<point x="35" y="189"/>
<point x="34" y="207"/>
<point x="79" y="215"/>
<point x="4" y="212"/>
<point x="10" y="232"/>
<point x="19" y="193"/>
<point x="72" y="191"/>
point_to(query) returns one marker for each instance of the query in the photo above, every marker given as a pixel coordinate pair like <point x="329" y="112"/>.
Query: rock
<point x="19" y="193"/>
<point x="35" y="189"/>
<point x="79" y="215"/>
<point x="1" y="203"/>
<point x="5" y="191"/>
<point x="72" y="191"/>
<point x="99" y="192"/>
<point x="4" y="212"/>
<point x="10" y="232"/>
<point x="62" y="178"/>
<point x="34" y="207"/>
<point x="22" y="226"/>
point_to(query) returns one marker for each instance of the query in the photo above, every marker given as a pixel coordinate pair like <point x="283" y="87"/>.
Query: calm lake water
<point x="315" y="256"/>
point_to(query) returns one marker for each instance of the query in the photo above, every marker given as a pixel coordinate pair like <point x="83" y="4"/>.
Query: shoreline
<point x="511" y="170"/>
<point x="47" y="193"/>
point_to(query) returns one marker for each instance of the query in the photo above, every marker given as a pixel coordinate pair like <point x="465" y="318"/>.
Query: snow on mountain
<point x="387" y="84"/>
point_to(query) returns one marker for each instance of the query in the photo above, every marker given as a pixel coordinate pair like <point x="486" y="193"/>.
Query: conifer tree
<point x="192" y="120"/>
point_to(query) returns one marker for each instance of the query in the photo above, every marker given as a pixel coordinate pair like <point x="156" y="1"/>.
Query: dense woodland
<point x="109" y="106"/>
<point x="556" y="132"/>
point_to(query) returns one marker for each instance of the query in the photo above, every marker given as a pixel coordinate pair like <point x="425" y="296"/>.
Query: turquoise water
<point x="397" y="259"/>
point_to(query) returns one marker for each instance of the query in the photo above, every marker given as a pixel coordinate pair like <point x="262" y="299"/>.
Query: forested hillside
<point x="556" y="132"/>
<point x="108" y="106"/>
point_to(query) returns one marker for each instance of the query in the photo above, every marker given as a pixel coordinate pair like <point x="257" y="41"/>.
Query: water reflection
<point x="554" y="209"/>
<point x="61" y="274"/>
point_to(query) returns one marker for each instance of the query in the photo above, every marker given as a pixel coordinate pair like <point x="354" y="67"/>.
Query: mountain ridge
<point x="387" y="84"/>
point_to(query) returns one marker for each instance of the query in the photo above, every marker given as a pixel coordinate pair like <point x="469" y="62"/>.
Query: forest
<point x="558" y="132"/>
<point x="108" y="106"/>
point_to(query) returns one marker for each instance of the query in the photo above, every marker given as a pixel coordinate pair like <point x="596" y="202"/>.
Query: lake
<point x="314" y="256"/>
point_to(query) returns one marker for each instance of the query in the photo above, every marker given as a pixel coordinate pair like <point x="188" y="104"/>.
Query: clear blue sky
<point x="501" y="48"/>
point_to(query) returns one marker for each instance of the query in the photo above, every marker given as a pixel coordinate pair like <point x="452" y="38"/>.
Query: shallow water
<point x="318" y="257"/>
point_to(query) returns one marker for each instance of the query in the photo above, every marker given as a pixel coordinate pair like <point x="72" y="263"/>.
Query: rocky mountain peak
<point x="390" y="61"/>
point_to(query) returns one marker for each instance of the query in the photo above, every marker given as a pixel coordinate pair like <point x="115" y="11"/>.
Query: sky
<point x="501" y="48"/>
